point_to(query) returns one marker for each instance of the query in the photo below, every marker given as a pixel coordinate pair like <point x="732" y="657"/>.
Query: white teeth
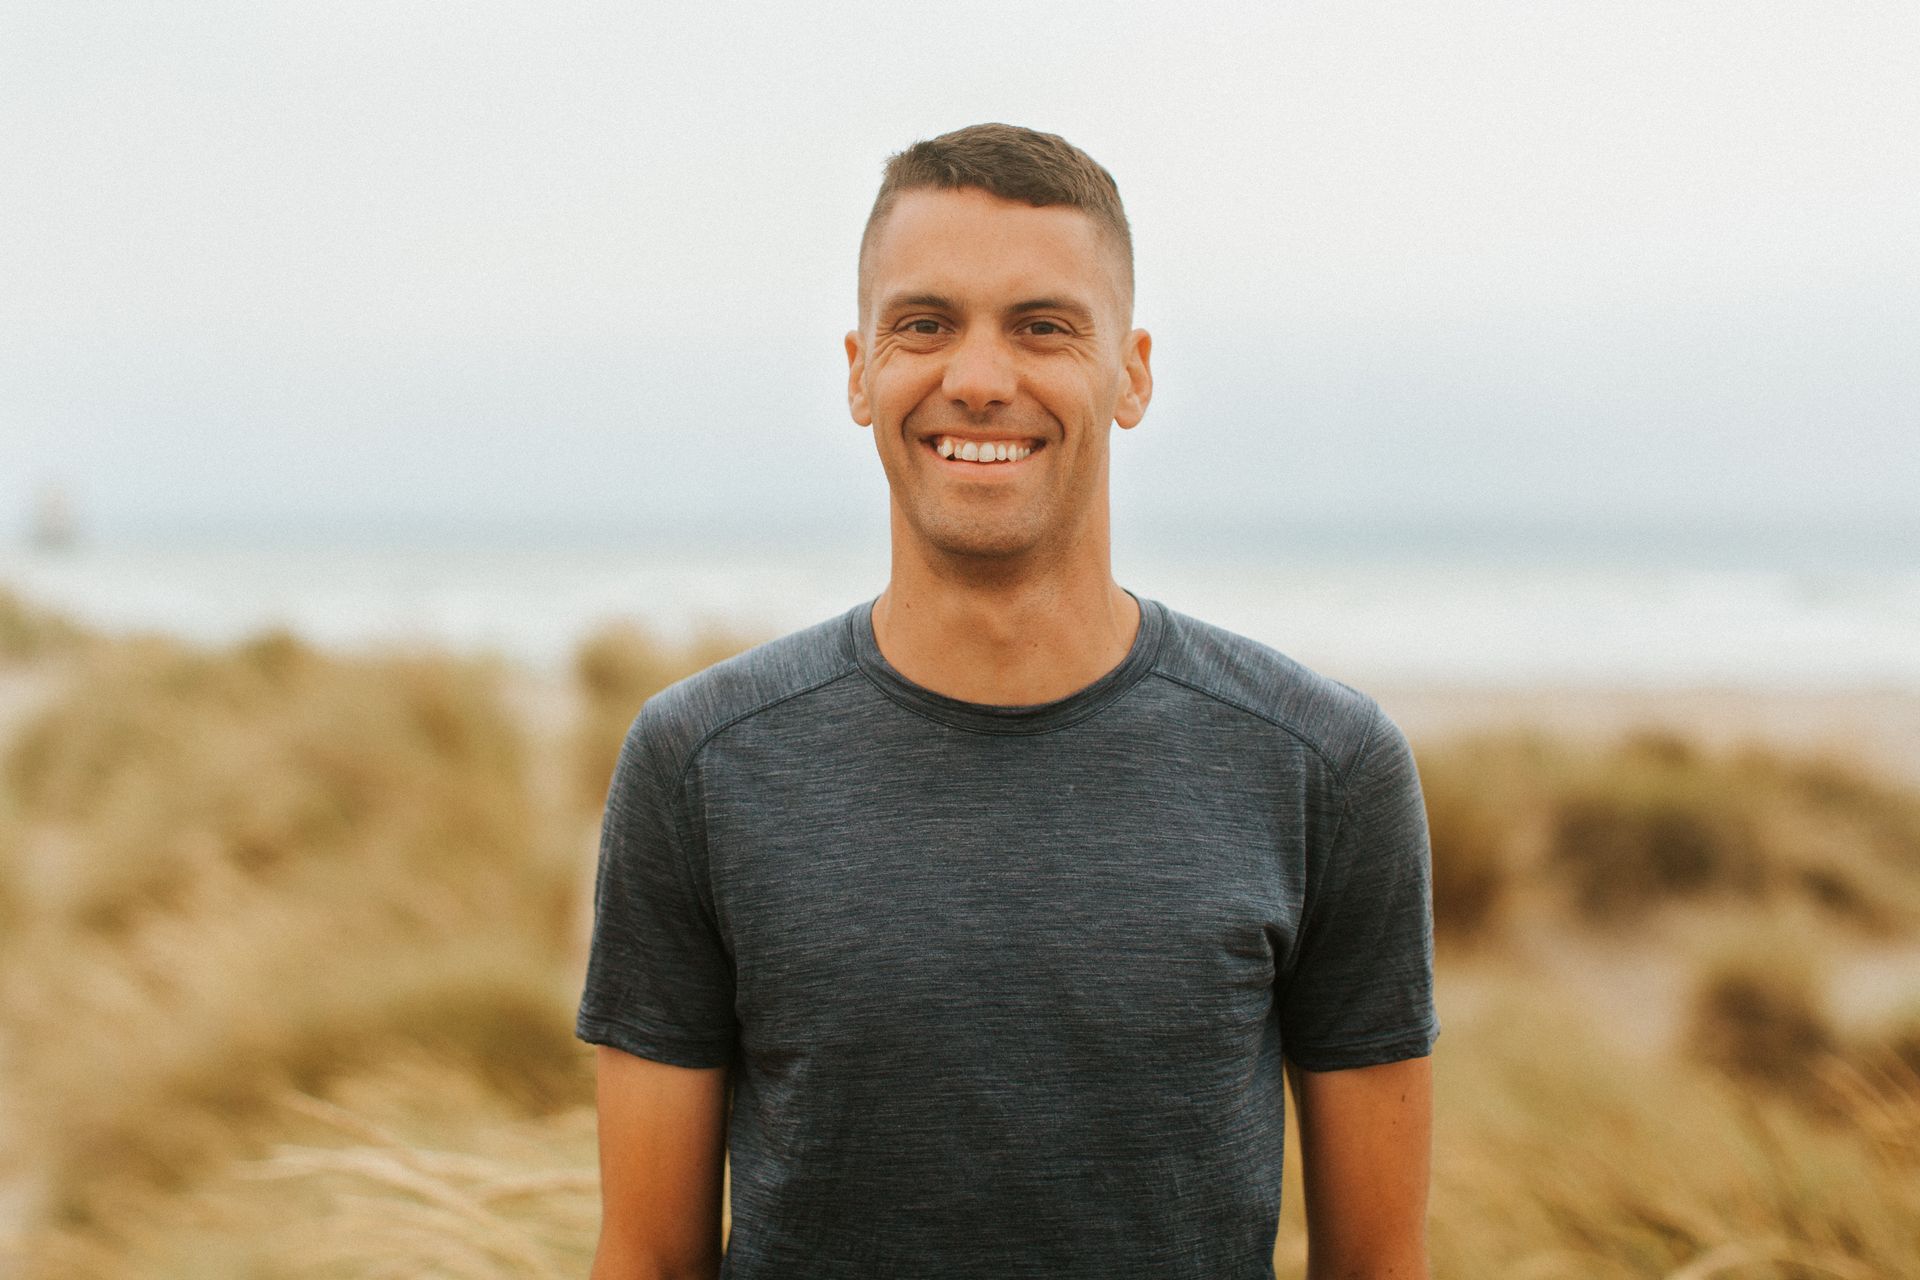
<point x="974" y="451"/>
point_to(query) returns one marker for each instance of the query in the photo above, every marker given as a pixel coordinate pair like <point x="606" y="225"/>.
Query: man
<point x="998" y="901"/>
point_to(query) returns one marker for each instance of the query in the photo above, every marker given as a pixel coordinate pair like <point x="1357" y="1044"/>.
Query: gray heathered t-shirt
<point x="1006" y="989"/>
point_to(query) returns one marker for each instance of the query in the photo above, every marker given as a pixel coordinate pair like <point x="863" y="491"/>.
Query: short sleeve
<point x="1359" y="991"/>
<point x="659" y="979"/>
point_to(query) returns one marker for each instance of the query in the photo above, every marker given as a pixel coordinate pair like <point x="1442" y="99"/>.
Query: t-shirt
<point x="1006" y="989"/>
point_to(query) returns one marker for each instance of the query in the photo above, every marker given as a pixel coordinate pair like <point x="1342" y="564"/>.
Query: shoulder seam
<point x="1309" y="911"/>
<point x="1346" y="791"/>
<point x="693" y="752"/>
<point x="1277" y="723"/>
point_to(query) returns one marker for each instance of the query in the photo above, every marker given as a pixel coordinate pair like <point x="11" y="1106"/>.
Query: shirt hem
<point x="1395" y="1047"/>
<point x="678" y="1051"/>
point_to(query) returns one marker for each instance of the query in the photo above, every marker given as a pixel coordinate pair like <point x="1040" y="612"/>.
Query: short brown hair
<point x="1013" y="163"/>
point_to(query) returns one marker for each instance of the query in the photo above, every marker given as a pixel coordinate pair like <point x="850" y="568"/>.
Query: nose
<point x="980" y="372"/>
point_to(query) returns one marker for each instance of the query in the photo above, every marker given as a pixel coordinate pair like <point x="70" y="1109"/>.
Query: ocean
<point x="1495" y="613"/>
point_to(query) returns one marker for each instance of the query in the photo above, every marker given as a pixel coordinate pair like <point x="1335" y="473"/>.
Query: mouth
<point x="982" y="452"/>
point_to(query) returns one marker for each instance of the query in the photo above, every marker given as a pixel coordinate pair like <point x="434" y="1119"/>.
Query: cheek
<point x="1076" y="396"/>
<point x="898" y="384"/>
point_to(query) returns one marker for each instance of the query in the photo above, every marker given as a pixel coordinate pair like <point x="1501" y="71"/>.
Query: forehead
<point x="973" y="244"/>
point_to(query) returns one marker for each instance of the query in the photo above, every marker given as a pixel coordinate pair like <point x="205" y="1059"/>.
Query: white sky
<point x="346" y="265"/>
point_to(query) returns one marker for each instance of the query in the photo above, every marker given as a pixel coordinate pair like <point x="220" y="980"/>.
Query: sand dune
<point x="294" y="799"/>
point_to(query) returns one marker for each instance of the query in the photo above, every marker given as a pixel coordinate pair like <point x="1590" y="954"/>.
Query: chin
<point x="980" y="539"/>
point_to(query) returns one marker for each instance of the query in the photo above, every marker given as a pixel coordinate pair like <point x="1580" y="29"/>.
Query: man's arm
<point x="663" y="1142"/>
<point x="1366" y="1151"/>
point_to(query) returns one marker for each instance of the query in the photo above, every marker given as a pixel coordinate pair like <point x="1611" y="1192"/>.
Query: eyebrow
<point x="933" y="301"/>
<point x="1078" y="310"/>
<point x="940" y="302"/>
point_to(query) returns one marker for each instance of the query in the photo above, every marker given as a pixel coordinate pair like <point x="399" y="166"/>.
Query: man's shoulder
<point x="1332" y="718"/>
<point x="678" y="719"/>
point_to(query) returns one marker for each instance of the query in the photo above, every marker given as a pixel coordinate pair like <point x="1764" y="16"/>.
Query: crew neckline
<point x="986" y="717"/>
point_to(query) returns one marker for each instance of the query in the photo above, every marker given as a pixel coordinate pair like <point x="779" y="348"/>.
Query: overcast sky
<point x="346" y="266"/>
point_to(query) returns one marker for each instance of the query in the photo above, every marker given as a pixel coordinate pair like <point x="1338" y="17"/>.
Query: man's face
<point x="990" y="324"/>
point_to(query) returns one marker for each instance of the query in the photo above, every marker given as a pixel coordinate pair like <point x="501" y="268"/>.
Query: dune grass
<point x="166" y="763"/>
<point x="291" y="943"/>
<point x="28" y="633"/>
<point x="1611" y="833"/>
<point x="409" y="1169"/>
<point x="232" y="873"/>
<point x="1558" y="1156"/>
<point x="238" y="881"/>
<point x="1758" y="1013"/>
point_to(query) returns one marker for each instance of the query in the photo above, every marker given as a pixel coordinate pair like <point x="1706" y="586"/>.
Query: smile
<point x="960" y="448"/>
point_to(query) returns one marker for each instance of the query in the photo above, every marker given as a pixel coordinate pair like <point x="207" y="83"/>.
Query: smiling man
<point x="981" y="925"/>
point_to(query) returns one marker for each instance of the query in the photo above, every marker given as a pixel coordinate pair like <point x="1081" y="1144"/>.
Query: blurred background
<point x="392" y="397"/>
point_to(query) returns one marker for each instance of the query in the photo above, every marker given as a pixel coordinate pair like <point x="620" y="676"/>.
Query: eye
<point x="1045" y="328"/>
<point x="922" y="325"/>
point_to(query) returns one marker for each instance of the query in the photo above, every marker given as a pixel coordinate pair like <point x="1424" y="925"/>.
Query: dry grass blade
<point x="340" y="1118"/>
<point x="539" y="1184"/>
<point x="1881" y="1100"/>
<point x="1723" y="1258"/>
<point x="438" y="1201"/>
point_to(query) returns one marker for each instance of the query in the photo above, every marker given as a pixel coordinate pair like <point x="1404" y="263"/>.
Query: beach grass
<point x="291" y="941"/>
<point x="1614" y="833"/>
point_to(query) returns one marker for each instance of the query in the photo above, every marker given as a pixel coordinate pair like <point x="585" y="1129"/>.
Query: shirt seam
<point x="1346" y="791"/>
<point x="1283" y="726"/>
<point x="655" y="1027"/>
<point x="699" y="745"/>
<point x="663" y="1032"/>
<point x="1311" y="901"/>
<point x="1013" y="727"/>
<point x="1427" y="1030"/>
<point x="999" y="731"/>
<point x="693" y="828"/>
<point x="1429" y="1024"/>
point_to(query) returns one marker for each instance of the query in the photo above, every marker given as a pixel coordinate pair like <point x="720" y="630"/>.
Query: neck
<point x="1003" y="633"/>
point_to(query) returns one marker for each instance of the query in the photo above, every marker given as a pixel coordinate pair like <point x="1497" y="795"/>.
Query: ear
<point x="856" y="375"/>
<point x="1138" y="375"/>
